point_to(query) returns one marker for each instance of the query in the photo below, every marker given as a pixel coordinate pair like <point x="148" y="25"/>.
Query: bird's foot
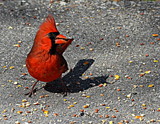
<point x="71" y="70"/>
<point x="29" y="94"/>
<point x="65" y="89"/>
<point x="65" y="92"/>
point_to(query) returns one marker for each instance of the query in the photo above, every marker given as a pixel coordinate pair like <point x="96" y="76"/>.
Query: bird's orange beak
<point x="60" y="39"/>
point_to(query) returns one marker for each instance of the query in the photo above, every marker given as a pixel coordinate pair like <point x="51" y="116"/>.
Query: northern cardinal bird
<point x="45" y="61"/>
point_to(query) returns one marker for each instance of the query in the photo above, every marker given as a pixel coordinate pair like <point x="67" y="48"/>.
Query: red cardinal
<point x="45" y="61"/>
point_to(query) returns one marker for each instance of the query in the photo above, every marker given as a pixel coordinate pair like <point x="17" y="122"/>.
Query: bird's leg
<point x="71" y="70"/>
<point x="64" y="87"/>
<point x="32" y="89"/>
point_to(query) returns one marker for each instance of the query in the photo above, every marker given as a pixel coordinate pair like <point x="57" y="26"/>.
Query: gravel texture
<point x="114" y="56"/>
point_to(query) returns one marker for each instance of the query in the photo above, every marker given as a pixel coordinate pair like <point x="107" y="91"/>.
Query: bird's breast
<point x="45" y="67"/>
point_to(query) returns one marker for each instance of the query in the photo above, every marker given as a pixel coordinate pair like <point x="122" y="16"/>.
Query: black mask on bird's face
<point x="52" y="36"/>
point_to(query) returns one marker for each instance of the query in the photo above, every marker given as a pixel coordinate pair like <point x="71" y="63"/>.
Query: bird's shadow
<point x="73" y="79"/>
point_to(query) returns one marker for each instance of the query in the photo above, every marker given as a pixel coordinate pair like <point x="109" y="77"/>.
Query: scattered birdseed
<point x="158" y="39"/>
<point x="10" y="27"/>
<point x="5" y="118"/>
<point x="138" y="117"/>
<point x="88" y="96"/>
<point x="16" y="45"/>
<point x="17" y="122"/>
<point x="28" y="104"/>
<point x="105" y="84"/>
<point x="119" y="27"/>
<point x="57" y="24"/>
<point x="100" y="116"/>
<point x="111" y="122"/>
<point x="4" y="111"/>
<point x="4" y="66"/>
<point x="151" y="85"/>
<point x="36" y="103"/>
<point x="152" y="120"/>
<point x="82" y="48"/>
<point x="72" y="122"/>
<point x="96" y="110"/>
<point x="107" y="116"/>
<point x="147" y="55"/>
<point x="113" y="116"/>
<point x="77" y="45"/>
<point x="129" y="95"/>
<point x="101" y="94"/>
<point x="155" y="35"/>
<point x="41" y="96"/>
<point x="120" y="123"/>
<point x="151" y="42"/>
<point x="11" y="67"/>
<point x="141" y="75"/>
<point x="29" y="121"/>
<point x="143" y="104"/>
<point x="100" y="85"/>
<point x="74" y="115"/>
<point x="82" y="110"/>
<point x="155" y="61"/>
<point x="116" y="77"/>
<point x="141" y="43"/>
<point x="24" y="100"/>
<point x="86" y="63"/>
<point x="118" y="89"/>
<point x="55" y="114"/>
<point x="64" y="99"/>
<point x="70" y="106"/>
<point x="147" y="72"/>
<point x="86" y="106"/>
<point x="91" y="49"/>
<point x="118" y="44"/>
<point x="19" y="112"/>
<point x="15" y="83"/>
<point x="107" y="107"/>
<point x="45" y="112"/>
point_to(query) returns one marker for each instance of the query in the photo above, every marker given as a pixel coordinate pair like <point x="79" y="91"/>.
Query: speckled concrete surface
<point x="110" y="39"/>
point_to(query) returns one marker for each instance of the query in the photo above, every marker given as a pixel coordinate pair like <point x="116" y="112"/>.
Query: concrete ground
<point x="115" y="57"/>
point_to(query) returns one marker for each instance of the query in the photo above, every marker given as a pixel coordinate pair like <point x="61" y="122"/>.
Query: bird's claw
<point x="31" y="92"/>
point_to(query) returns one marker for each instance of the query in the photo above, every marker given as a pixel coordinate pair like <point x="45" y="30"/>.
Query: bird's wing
<point x="63" y="65"/>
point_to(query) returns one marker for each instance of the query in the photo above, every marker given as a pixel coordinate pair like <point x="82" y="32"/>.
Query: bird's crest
<point x="48" y="25"/>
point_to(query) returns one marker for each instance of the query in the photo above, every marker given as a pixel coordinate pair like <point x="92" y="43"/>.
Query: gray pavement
<point x="114" y="56"/>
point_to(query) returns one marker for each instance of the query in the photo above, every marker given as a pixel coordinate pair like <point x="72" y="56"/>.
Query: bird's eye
<point x="52" y="35"/>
